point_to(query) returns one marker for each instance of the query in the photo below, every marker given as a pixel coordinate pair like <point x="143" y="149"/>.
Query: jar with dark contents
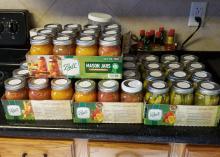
<point x="187" y="58"/>
<point x="130" y="66"/>
<point x="131" y="91"/>
<point x="72" y="34"/>
<point x="15" y="89"/>
<point x="21" y="73"/>
<point x="167" y="58"/>
<point x="131" y="74"/>
<point x="54" y="26"/>
<point x="194" y="66"/>
<point x="109" y="46"/>
<point x="108" y="91"/>
<point x="63" y="45"/>
<point x="200" y="76"/>
<point x="73" y="27"/>
<point x="153" y="75"/>
<point x="48" y="32"/>
<point x="170" y="66"/>
<point x="39" y="89"/>
<point x="176" y="75"/>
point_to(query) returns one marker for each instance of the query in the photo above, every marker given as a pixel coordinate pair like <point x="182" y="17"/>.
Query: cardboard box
<point x="181" y="115"/>
<point x="108" y="112"/>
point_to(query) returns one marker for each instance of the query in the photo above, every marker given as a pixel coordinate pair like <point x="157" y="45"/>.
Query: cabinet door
<point x="202" y="151"/>
<point x="35" y="148"/>
<point x="106" y="149"/>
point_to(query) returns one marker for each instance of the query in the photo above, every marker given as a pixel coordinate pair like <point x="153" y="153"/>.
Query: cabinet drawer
<point x="35" y="148"/>
<point x="202" y="151"/>
<point x="100" y="149"/>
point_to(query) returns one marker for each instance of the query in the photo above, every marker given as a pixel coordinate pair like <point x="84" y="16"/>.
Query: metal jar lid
<point x="185" y="59"/>
<point x="20" y="73"/>
<point x="131" y="74"/>
<point x="108" y="85"/>
<point x="131" y="86"/>
<point x="153" y="75"/>
<point x="40" y="40"/>
<point x="111" y="32"/>
<point x="201" y="76"/>
<point x="183" y="87"/>
<point x="129" y="58"/>
<point x="24" y="65"/>
<point x="38" y="83"/>
<point x="86" y="41"/>
<point x="54" y="26"/>
<point x="60" y="84"/>
<point x="149" y="58"/>
<point x="152" y="65"/>
<point x="192" y="66"/>
<point x="109" y="41"/>
<point x="177" y="75"/>
<point x="85" y="85"/>
<point x="70" y="33"/>
<point x="14" y="83"/>
<point x="209" y="88"/>
<point x="169" y="58"/>
<point x="46" y="31"/>
<point x="92" y="26"/>
<point x="158" y="87"/>
<point x="89" y="32"/>
<point x="174" y="65"/>
<point x="113" y="26"/>
<point x="73" y="27"/>
<point x="130" y="65"/>
<point x="63" y="40"/>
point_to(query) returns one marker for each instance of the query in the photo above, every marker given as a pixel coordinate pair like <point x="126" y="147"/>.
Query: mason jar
<point x="73" y="27"/>
<point x="131" y="74"/>
<point x="86" y="46"/>
<point x="113" y="26"/>
<point x="145" y="59"/>
<point x="130" y="66"/>
<point x="200" y="76"/>
<point x="54" y="26"/>
<point x="187" y="58"/>
<point x="194" y="66"/>
<point x="169" y="58"/>
<point x="153" y="75"/>
<point x="170" y="66"/>
<point x="48" y="32"/>
<point x="64" y="45"/>
<point x="70" y="33"/>
<point x="176" y="75"/>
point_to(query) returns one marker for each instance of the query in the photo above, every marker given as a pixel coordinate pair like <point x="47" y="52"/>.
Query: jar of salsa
<point x="61" y="89"/>
<point x="22" y="73"/>
<point x="86" y="46"/>
<point x="39" y="89"/>
<point x="54" y="26"/>
<point x="85" y="91"/>
<point x="73" y="27"/>
<point x="15" y="89"/>
<point x="41" y="45"/>
<point x="63" y="45"/>
<point x="109" y="46"/>
<point x="131" y="91"/>
<point x="108" y="91"/>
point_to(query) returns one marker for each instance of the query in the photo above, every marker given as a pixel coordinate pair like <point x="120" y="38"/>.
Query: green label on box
<point x="99" y="67"/>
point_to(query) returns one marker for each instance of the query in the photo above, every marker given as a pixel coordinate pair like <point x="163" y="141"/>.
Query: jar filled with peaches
<point x="63" y="45"/>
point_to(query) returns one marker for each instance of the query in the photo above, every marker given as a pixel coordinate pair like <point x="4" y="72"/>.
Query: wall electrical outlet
<point x="197" y="9"/>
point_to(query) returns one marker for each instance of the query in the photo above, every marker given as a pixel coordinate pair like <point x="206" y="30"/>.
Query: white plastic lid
<point x="131" y="86"/>
<point x="179" y="74"/>
<point x="99" y="17"/>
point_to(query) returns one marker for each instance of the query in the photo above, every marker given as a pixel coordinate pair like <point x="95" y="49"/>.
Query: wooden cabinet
<point x="107" y="149"/>
<point x="202" y="151"/>
<point x="35" y="148"/>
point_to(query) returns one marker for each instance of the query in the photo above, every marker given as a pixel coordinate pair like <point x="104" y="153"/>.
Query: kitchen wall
<point x="131" y="14"/>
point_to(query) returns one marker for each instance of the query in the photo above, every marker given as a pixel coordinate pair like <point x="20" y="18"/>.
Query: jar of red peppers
<point x="109" y="46"/>
<point x="131" y="91"/>
<point x="39" y="89"/>
<point x="108" y="91"/>
<point x="63" y="45"/>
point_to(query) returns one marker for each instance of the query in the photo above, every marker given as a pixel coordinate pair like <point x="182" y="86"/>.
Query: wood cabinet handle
<point x="25" y="155"/>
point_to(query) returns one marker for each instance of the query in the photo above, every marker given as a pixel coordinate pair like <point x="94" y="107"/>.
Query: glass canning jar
<point x="113" y="26"/>
<point x="207" y="93"/>
<point x="21" y="73"/>
<point x="61" y="89"/>
<point x="194" y="66"/>
<point x="130" y="66"/>
<point x="111" y="32"/>
<point x="108" y="91"/>
<point x="85" y="91"/>
<point x="170" y="66"/>
<point x="71" y="33"/>
<point x="86" y="46"/>
<point x="131" y="91"/>
<point x="181" y="93"/>
<point x="200" y="76"/>
<point x="153" y="75"/>
<point x="131" y="74"/>
<point x="90" y="32"/>
<point x="41" y="45"/>
<point x="169" y="58"/>
<point x="73" y="27"/>
<point x="54" y="26"/>
<point x="176" y="75"/>
<point x="187" y="58"/>
<point x="63" y="45"/>
<point x="48" y="32"/>
<point x="93" y="26"/>
<point x="39" y="89"/>
<point x="15" y="89"/>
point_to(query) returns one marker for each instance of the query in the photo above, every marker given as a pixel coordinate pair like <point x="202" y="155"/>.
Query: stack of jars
<point x="72" y="40"/>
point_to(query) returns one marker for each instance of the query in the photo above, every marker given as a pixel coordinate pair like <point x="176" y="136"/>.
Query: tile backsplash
<point x="131" y="14"/>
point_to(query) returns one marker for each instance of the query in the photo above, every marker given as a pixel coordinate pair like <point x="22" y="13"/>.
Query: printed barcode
<point x="114" y="76"/>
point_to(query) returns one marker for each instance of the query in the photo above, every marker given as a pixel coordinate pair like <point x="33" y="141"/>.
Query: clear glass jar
<point x="111" y="32"/>
<point x="194" y="66"/>
<point x="170" y="66"/>
<point x="73" y="27"/>
<point x="145" y="59"/>
<point x="21" y="73"/>
<point x="188" y="58"/>
<point x="129" y="58"/>
<point x="108" y="91"/>
<point x="86" y="46"/>
<point x="148" y="66"/>
<point x="131" y="74"/>
<point x="85" y="91"/>
<point x="153" y="75"/>
<point x="176" y="75"/>
<point x="93" y="26"/>
<point x="47" y="32"/>
<point x="54" y="26"/>
<point x="63" y="45"/>
<point x="181" y="93"/>
<point x="24" y="65"/>
<point x="71" y="33"/>
<point x="113" y="26"/>
<point x="207" y="94"/>
<point x="61" y="89"/>
<point x="167" y="58"/>
<point x="41" y="45"/>
<point x="131" y="91"/>
<point x="90" y="32"/>
<point x="200" y="76"/>
<point x="39" y="89"/>
<point x="97" y="18"/>
<point x="130" y="66"/>
<point x="15" y="89"/>
<point x="157" y="93"/>
<point x="109" y="46"/>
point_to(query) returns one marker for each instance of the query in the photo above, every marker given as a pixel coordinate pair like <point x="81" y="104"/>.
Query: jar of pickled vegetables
<point x="167" y="58"/>
<point x="194" y="66"/>
<point x="170" y="66"/>
<point x="63" y="45"/>
<point x="153" y="75"/>
<point x="109" y="46"/>
<point x="61" y="89"/>
<point x="181" y="93"/>
<point x="157" y="93"/>
<point x="41" y="45"/>
<point x="200" y="76"/>
<point x="131" y="74"/>
<point x="108" y="91"/>
<point x="54" y="26"/>
<point x="22" y="73"/>
<point x="207" y="94"/>
<point x="39" y="89"/>
<point x="73" y="27"/>
<point x="187" y="58"/>
<point x="130" y="66"/>
<point x="145" y="59"/>
<point x="72" y="34"/>
<point x="86" y="46"/>
<point x="90" y="32"/>
<point x="176" y="75"/>
<point x="47" y="32"/>
<point x="15" y="89"/>
<point x="131" y="91"/>
<point x="85" y="91"/>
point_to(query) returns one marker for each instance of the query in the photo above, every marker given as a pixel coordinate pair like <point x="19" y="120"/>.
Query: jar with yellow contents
<point x="61" y="89"/>
<point x="86" y="46"/>
<point x="63" y="45"/>
<point x="41" y="45"/>
<point x="85" y="91"/>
